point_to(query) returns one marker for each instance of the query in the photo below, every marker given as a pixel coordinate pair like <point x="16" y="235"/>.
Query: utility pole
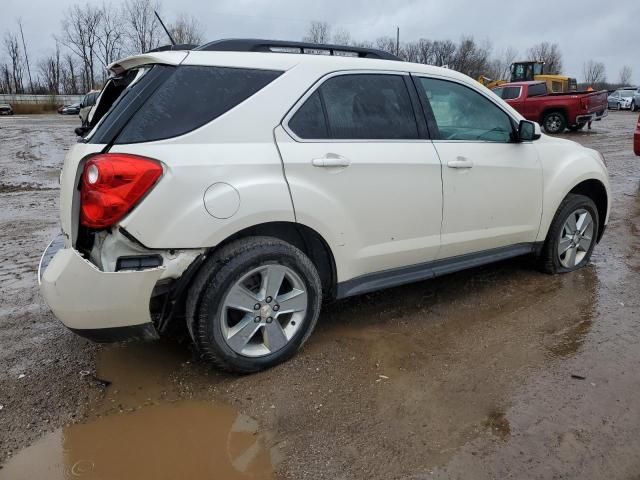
<point x="26" y="56"/>
<point x="397" y="41"/>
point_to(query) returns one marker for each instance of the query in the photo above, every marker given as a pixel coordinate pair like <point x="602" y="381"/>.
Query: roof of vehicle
<point x="276" y="61"/>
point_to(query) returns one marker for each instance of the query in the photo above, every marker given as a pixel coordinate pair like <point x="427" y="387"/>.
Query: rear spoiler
<point x="164" y="57"/>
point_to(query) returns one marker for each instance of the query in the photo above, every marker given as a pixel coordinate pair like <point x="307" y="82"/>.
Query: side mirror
<point x="528" y="131"/>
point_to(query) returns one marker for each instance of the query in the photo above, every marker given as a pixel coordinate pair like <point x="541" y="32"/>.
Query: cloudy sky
<point x="585" y="29"/>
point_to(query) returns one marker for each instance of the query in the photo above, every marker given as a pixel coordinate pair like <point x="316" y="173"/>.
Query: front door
<point x="492" y="186"/>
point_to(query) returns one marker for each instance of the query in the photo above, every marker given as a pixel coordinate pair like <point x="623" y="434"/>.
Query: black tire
<point x="215" y="279"/>
<point x="619" y="106"/>
<point x="549" y="258"/>
<point x="554" y="122"/>
<point x="633" y="105"/>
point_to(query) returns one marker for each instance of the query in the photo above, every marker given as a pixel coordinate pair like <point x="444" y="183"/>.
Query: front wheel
<point x="633" y="106"/>
<point x="554" y="122"/>
<point x="572" y="235"/>
<point x="253" y="304"/>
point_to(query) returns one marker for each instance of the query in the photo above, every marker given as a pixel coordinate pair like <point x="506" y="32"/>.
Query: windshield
<point x="626" y="93"/>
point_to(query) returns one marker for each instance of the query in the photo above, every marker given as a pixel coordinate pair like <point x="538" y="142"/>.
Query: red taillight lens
<point x="112" y="184"/>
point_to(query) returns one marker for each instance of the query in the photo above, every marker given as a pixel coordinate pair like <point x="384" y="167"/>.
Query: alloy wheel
<point x="576" y="238"/>
<point x="263" y="310"/>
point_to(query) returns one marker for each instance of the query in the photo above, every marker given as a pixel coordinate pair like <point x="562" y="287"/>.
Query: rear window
<point x="191" y="97"/>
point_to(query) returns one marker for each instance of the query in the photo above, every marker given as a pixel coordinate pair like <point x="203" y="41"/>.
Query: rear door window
<point x="358" y="107"/>
<point x="537" y="89"/>
<point x="191" y="97"/>
<point x="507" y="93"/>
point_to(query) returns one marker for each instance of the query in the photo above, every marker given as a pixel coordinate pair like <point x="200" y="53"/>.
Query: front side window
<point x="460" y="113"/>
<point x="357" y="107"/>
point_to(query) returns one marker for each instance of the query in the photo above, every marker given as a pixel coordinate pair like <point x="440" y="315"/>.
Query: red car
<point x="636" y="139"/>
<point x="554" y="111"/>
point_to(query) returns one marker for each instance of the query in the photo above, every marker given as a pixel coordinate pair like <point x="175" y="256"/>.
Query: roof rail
<point x="179" y="46"/>
<point x="280" y="46"/>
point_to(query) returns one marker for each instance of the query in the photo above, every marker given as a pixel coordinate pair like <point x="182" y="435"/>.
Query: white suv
<point x="235" y="186"/>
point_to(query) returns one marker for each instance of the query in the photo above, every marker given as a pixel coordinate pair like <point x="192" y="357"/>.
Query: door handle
<point x="460" y="162"/>
<point x="331" y="160"/>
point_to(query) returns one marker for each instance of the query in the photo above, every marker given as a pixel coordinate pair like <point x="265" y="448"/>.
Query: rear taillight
<point x="112" y="184"/>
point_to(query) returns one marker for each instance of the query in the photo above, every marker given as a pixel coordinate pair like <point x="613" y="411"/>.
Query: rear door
<point x="492" y="186"/>
<point x="362" y="172"/>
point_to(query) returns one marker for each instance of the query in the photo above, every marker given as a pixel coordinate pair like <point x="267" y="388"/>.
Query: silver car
<point x="621" y="99"/>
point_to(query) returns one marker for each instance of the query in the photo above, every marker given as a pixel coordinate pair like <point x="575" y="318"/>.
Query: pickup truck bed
<point x="555" y="111"/>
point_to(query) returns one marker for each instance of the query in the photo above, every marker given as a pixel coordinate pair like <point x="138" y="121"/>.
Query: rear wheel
<point x="554" y="122"/>
<point x="254" y="304"/>
<point x="572" y="235"/>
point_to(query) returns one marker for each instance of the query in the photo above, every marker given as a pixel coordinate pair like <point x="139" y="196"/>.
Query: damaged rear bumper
<point x="102" y="306"/>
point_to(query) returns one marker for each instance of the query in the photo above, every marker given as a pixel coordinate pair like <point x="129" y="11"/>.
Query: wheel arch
<point x="303" y="237"/>
<point x="590" y="187"/>
<point x="596" y="191"/>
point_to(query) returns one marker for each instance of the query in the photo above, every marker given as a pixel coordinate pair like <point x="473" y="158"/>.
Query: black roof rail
<point x="179" y="46"/>
<point x="281" y="46"/>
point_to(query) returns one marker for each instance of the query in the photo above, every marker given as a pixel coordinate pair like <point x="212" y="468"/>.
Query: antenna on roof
<point x="173" y="42"/>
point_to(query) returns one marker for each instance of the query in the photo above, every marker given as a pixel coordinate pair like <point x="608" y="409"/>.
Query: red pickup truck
<point x="636" y="139"/>
<point x="554" y="111"/>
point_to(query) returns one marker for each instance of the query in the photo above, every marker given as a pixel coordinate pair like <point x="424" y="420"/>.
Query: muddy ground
<point x="497" y="372"/>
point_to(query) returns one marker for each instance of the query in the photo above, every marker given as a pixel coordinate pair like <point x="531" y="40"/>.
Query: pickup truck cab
<point x="554" y="111"/>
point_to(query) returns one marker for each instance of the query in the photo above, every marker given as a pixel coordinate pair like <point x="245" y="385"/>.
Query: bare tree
<point x="318" y="32"/>
<point x="110" y="37"/>
<point x="443" y="53"/>
<point x="625" y="75"/>
<point x="15" y="57"/>
<point x="386" y="44"/>
<point x="69" y="78"/>
<point x="342" y="37"/>
<point x="549" y="53"/>
<point x="5" y="79"/>
<point x="80" y="33"/>
<point x="594" y="73"/>
<point x="470" y="58"/>
<point x="50" y="72"/>
<point x="187" y="29"/>
<point x="500" y="67"/>
<point x="143" y="29"/>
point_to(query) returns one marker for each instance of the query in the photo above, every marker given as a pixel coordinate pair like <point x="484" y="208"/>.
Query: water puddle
<point x="144" y="428"/>
<point x="187" y="439"/>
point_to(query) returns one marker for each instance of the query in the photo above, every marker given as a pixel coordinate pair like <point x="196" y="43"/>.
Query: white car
<point x="236" y="186"/>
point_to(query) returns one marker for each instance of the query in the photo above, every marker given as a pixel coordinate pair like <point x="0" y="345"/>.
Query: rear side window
<point x="358" y="107"/>
<point x="191" y="97"/>
<point x="537" y="89"/>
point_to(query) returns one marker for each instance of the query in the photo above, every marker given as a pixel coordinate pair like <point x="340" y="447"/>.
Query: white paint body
<point x="397" y="204"/>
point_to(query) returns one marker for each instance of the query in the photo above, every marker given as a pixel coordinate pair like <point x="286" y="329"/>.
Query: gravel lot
<point x="497" y="372"/>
